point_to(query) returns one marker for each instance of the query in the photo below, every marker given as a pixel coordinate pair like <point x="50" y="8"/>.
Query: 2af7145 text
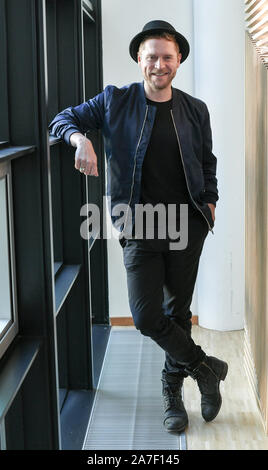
<point x="134" y="459"/>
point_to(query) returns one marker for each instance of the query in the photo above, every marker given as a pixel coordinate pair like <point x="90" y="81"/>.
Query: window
<point x="46" y="346"/>
<point x="8" y="311"/>
<point x="257" y="25"/>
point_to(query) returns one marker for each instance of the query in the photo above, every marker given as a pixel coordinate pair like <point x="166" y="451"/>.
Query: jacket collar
<point x="175" y="95"/>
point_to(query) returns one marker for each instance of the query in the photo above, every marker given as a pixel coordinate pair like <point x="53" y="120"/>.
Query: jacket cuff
<point x="209" y="199"/>
<point x="67" y="134"/>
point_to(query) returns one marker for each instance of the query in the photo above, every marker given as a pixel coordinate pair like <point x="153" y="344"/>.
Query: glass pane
<point x="5" y="287"/>
<point x="4" y="127"/>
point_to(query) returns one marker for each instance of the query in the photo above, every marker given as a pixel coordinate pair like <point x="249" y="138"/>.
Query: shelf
<point x="3" y="144"/>
<point x="57" y="266"/>
<point x="54" y="140"/>
<point x="88" y="9"/>
<point x="64" y="281"/>
<point x="9" y="153"/>
<point x="15" y="369"/>
<point x="92" y="240"/>
<point x="88" y="5"/>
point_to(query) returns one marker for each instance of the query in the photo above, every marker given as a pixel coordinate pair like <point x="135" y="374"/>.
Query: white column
<point x="219" y="81"/>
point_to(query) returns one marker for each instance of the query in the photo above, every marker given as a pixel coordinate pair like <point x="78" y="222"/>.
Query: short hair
<point x="164" y="35"/>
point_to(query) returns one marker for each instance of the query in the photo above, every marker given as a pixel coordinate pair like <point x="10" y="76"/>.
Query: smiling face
<point x="159" y="60"/>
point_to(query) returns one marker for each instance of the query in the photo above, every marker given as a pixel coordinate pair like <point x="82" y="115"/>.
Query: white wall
<point x="214" y="73"/>
<point x="219" y="81"/>
<point x="123" y="19"/>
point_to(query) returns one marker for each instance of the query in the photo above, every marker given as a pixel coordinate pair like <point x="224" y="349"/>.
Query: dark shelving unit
<point x="50" y="59"/>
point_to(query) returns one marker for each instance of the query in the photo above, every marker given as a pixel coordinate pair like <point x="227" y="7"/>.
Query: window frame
<point x="10" y="331"/>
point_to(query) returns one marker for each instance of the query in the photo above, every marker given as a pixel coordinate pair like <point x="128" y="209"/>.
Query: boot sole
<point x="178" y="430"/>
<point x="222" y="377"/>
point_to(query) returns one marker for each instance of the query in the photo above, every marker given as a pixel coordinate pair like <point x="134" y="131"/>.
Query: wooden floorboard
<point x="128" y="321"/>
<point x="239" y="425"/>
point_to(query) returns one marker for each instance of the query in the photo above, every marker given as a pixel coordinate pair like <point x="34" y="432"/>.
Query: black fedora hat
<point x="155" y="27"/>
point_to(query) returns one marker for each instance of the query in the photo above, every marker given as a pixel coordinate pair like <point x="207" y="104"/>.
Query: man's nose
<point x="159" y="63"/>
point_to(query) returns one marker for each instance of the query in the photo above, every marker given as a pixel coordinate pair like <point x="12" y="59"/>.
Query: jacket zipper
<point x="135" y="164"/>
<point x="186" y="175"/>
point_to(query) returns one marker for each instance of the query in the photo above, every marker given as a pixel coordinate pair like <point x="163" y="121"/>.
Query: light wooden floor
<point x="238" y="426"/>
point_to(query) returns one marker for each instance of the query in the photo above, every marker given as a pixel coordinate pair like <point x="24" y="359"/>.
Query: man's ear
<point x="179" y="59"/>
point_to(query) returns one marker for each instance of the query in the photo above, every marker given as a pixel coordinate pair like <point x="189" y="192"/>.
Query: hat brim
<point x="181" y="40"/>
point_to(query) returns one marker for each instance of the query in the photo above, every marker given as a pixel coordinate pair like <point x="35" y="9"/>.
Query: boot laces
<point x="172" y="395"/>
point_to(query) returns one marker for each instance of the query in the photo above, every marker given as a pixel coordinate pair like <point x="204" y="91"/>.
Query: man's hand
<point x="85" y="157"/>
<point x="212" y="208"/>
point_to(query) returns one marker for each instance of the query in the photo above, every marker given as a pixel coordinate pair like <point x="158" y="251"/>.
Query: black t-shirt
<point x="163" y="178"/>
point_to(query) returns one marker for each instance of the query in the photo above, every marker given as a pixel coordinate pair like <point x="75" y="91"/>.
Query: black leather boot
<point x="175" y="416"/>
<point x="208" y="375"/>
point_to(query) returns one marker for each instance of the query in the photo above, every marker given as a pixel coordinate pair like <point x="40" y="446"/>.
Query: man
<point x="159" y="151"/>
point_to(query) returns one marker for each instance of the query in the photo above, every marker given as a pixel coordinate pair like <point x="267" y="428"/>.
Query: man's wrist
<point x="77" y="139"/>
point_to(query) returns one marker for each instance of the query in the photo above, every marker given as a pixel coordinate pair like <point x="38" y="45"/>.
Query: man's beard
<point x="165" y="84"/>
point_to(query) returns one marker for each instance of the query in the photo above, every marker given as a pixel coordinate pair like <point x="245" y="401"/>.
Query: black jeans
<point x="160" y="289"/>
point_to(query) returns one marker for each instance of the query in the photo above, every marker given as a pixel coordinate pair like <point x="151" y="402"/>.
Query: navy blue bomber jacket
<point x="126" y="122"/>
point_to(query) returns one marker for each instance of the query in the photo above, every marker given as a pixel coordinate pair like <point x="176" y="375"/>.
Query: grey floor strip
<point x="128" y="411"/>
